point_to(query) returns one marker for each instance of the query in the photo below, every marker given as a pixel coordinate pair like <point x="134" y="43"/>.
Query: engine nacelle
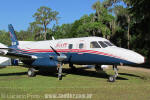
<point x="61" y="58"/>
<point x="45" y="62"/>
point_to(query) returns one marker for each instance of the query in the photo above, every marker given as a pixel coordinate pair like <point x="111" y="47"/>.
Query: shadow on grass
<point x="48" y="74"/>
<point x="82" y="72"/>
<point x="2" y="67"/>
<point x="79" y="71"/>
<point x="13" y="74"/>
<point x="129" y="74"/>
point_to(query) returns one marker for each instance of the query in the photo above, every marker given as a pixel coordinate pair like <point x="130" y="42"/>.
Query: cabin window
<point x="94" y="44"/>
<point x="102" y="44"/>
<point x="81" y="45"/>
<point x="70" y="46"/>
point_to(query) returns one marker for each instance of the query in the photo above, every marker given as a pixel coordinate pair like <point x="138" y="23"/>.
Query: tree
<point x="5" y="38"/>
<point x="44" y="16"/>
<point x="140" y="12"/>
<point x="122" y="17"/>
<point x="123" y="21"/>
<point x="36" y="30"/>
<point x="103" y="18"/>
<point x="63" y="31"/>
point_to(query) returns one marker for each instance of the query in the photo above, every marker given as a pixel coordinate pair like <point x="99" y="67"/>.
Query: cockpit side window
<point x="102" y="44"/>
<point x="94" y="44"/>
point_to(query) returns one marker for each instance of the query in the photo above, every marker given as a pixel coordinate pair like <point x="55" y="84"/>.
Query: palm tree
<point x="101" y="18"/>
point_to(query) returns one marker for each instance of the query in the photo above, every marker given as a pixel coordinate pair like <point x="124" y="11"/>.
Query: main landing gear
<point x="60" y="71"/>
<point x="112" y="78"/>
<point x="31" y="72"/>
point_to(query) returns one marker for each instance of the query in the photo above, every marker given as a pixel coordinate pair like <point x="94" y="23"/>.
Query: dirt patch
<point x="135" y="68"/>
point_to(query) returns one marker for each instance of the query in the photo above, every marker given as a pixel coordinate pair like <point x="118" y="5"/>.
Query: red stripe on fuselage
<point x="70" y="50"/>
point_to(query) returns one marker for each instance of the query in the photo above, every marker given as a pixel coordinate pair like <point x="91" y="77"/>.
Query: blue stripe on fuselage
<point x="88" y="58"/>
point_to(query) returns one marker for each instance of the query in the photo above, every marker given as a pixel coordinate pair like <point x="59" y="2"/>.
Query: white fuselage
<point x="83" y="45"/>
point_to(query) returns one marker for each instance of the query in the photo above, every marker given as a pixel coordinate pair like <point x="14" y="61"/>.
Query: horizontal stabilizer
<point x="9" y="52"/>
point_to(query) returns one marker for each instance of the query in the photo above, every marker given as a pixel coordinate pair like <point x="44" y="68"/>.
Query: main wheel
<point x="112" y="79"/>
<point x="60" y="77"/>
<point x="31" y="72"/>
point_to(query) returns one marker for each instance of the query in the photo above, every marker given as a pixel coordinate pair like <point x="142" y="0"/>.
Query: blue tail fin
<point x="12" y="35"/>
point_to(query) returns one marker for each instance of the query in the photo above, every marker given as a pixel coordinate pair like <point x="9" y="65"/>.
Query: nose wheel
<point x="112" y="78"/>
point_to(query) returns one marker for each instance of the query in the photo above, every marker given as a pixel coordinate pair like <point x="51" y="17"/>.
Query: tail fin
<point x="12" y="35"/>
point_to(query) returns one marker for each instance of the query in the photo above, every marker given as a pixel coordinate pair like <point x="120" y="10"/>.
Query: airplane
<point x="82" y="51"/>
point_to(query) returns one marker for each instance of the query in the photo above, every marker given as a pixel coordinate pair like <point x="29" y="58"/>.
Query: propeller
<point x="55" y="51"/>
<point x="60" y="57"/>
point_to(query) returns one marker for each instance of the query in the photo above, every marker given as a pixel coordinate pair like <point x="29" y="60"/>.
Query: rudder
<point x="12" y="34"/>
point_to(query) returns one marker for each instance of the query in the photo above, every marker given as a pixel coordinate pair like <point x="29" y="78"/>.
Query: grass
<point x="130" y="85"/>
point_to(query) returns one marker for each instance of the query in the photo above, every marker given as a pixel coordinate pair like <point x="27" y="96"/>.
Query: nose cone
<point x="129" y="55"/>
<point x="135" y="57"/>
<point x="132" y="56"/>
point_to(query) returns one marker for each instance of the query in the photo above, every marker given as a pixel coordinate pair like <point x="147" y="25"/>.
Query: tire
<point x="112" y="79"/>
<point x="31" y="72"/>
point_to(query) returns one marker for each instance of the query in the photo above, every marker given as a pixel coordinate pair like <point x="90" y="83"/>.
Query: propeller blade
<point x="55" y="51"/>
<point x="60" y="58"/>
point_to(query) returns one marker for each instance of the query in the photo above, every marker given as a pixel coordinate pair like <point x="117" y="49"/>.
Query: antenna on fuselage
<point x="53" y="38"/>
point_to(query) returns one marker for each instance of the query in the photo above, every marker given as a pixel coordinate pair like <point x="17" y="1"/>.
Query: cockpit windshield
<point x="100" y="44"/>
<point x="105" y="44"/>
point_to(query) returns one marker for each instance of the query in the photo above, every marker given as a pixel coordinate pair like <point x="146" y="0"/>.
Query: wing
<point x="13" y="53"/>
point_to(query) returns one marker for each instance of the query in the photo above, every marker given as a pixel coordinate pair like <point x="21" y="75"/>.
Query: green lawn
<point x="130" y="85"/>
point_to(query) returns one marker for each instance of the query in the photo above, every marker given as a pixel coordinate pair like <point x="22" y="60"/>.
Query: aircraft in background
<point x="83" y="51"/>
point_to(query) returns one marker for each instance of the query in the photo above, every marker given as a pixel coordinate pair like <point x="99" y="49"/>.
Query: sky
<point x="19" y="12"/>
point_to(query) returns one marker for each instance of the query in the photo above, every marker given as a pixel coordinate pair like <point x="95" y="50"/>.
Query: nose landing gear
<point x="112" y="78"/>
